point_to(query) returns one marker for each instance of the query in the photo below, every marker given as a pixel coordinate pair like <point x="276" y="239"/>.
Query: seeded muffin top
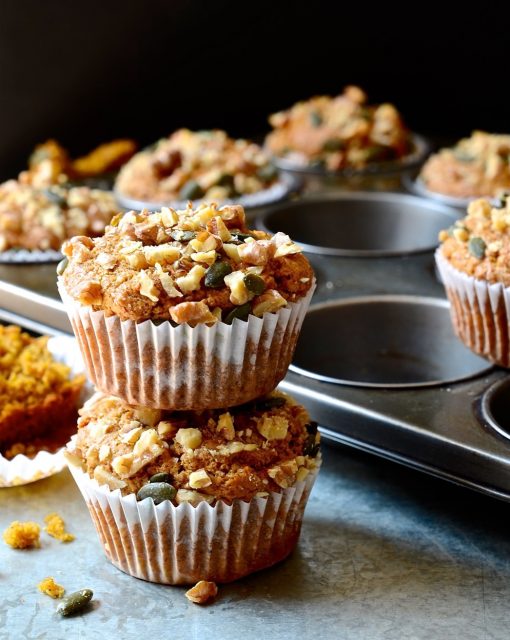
<point x="242" y="452"/>
<point x="190" y="266"/>
<point x="339" y="133"/>
<point x="475" y="166"/>
<point x="42" y="218"/>
<point x="196" y="164"/>
<point x="479" y="244"/>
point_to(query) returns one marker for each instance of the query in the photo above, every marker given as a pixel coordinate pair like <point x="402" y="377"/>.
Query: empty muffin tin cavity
<point x="383" y="341"/>
<point x="495" y="407"/>
<point x="362" y="224"/>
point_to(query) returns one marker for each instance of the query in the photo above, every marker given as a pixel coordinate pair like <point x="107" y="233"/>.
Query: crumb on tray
<point x="55" y="527"/>
<point x="51" y="588"/>
<point x="202" y="592"/>
<point x="22" y="535"/>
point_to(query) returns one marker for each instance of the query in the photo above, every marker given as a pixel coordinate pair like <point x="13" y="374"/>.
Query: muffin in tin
<point x="186" y="309"/>
<point x="474" y="167"/>
<point x="199" y="165"/>
<point x="474" y="267"/>
<point x="339" y="134"/>
<point x="178" y="497"/>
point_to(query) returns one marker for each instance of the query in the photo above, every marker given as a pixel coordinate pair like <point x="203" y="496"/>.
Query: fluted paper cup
<point x="182" y="367"/>
<point x="480" y="312"/>
<point x="184" y="544"/>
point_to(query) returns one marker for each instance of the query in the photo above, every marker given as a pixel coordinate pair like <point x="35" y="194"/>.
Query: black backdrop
<point x="87" y="72"/>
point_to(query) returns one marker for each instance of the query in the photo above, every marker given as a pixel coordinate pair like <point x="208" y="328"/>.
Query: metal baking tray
<point x="377" y="363"/>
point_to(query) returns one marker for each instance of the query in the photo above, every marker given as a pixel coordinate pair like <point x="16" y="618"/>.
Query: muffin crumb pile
<point x="49" y="587"/>
<point x="22" y="535"/>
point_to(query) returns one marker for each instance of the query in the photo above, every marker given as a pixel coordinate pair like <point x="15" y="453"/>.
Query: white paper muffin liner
<point x="21" y="469"/>
<point x="25" y="256"/>
<point x="180" y="367"/>
<point x="480" y="312"/>
<point x="184" y="544"/>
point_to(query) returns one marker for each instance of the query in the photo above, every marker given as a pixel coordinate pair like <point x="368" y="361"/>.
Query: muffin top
<point x="42" y="218"/>
<point x="192" y="266"/>
<point x="189" y="165"/>
<point x="475" y="166"/>
<point x="479" y="244"/>
<point x="338" y="133"/>
<point x="246" y="451"/>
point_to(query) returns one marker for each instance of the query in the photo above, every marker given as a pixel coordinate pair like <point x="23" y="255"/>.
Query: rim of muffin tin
<point x="417" y="186"/>
<point x="283" y="188"/>
<point x="411" y="160"/>
<point x="486" y="413"/>
<point x="449" y="214"/>
<point x="479" y="366"/>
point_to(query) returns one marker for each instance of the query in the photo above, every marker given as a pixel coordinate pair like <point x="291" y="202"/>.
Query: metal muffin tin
<point x="377" y="363"/>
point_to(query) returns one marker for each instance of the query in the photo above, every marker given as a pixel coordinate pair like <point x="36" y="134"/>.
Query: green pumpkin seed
<point x="214" y="276"/>
<point x="241" y="313"/>
<point x="311" y="427"/>
<point x="316" y="119"/>
<point x="266" y="404"/>
<point x="333" y="145"/>
<point x="161" y="477"/>
<point x="311" y="448"/>
<point x="158" y="491"/>
<point x="267" y="173"/>
<point x="476" y="247"/>
<point x="62" y="265"/>
<point x="503" y="199"/>
<point x="182" y="236"/>
<point x="55" y="197"/>
<point x="254" y="283"/>
<point x="226" y="180"/>
<point x="74" y="602"/>
<point x="239" y="237"/>
<point x="191" y="191"/>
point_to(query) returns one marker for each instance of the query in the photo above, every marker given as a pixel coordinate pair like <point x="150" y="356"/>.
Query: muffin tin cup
<point x="480" y="312"/>
<point x="180" y="367"/>
<point x="22" y="469"/>
<point x="184" y="544"/>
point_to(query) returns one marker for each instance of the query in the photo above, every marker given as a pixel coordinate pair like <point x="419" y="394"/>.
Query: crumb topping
<point x="49" y="587"/>
<point x="263" y="446"/>
<point x="55" y="527"/>
<point x="22" y="535"/>
<point x="475" y="166"/>
<point x="339" y="133"/>
<point x="190" y="165"/>
<point x="479" y="244"/>
<point x="190" y="266"/>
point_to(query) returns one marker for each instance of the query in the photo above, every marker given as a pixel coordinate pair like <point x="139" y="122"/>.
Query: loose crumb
<point x="22" y="535"/>
<point x="55" y="527"/>
<point x="51" y="588"/>
<point x="202" y="592"/>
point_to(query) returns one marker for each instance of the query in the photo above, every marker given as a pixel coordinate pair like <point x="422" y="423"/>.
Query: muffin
<point x="186" y="309"/>
<point x="39" y="398"/>
<point x="474" y="167"/>
<point x="473" y="261"/>
<point x="178" y="497"/>
<point x="41" y="219"/>
<point x="337" y="134"/>
<point x="197" y="165"/>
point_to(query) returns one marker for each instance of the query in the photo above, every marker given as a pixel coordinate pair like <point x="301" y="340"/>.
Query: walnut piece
<point x="202" y="592"/>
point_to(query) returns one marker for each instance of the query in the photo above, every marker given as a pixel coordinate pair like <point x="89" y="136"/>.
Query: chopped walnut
<point x="269" y="302"/>
<point x="225" y="426"/>
<point x="192" y="313"/>
<point x="273" y="427"/>
<point x="199" y="479"/>
<point x="89" y="293"/>
<point x="202" y="592"/>
<point x="189" y="438"/>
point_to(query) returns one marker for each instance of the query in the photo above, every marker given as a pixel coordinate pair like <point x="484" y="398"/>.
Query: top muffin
<point x="191" y="165"/>
<point x="474" y="167"/>
<point x="339" y="133"/>
<point x="190" y="266"/>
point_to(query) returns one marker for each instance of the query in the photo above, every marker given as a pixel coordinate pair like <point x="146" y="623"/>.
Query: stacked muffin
<point x="193" y="467"/>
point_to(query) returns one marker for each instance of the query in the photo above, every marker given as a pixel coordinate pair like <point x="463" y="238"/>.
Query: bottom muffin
<point x="178" y="497"/>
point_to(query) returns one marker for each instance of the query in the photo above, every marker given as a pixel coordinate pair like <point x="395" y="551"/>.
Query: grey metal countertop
<point x="385" y="553"/>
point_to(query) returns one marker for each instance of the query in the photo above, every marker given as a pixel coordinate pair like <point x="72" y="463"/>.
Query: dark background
<point x="84" y="73"/>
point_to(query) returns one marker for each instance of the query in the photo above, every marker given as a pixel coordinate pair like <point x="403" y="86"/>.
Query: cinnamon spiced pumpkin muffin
<point x="191" y="293"/>
<point x="473" y="261"/>
<point x="209" y="495"/>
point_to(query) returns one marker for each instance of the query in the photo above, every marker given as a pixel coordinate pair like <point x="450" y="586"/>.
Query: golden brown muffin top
<point x="196" y="164"/>
<point x="479" y="244"/>
<point x="192" y="266"/>
<point x="343" y="132"/>
<point x="246" y="451"/>
<point x="42" y="218"/>
<point x="475" y="166"/>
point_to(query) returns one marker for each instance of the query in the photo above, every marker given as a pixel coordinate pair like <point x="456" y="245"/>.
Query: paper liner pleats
<point x="181" y="367"/>
<point x="480" y="312"/>
<point x="184" y="544"/>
